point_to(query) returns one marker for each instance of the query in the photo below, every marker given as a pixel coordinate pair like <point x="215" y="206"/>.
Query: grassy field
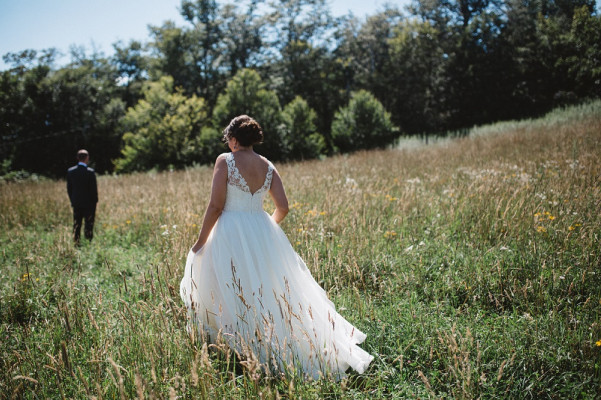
<point x="472" y="264"/>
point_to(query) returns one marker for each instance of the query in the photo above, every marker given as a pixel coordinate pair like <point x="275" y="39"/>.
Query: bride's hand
<point x="196" y="248"/>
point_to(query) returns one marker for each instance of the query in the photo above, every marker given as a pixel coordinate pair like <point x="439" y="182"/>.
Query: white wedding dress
<point x="250" y="288"/>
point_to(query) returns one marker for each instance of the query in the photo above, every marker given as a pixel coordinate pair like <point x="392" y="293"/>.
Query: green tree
<point x="419" y="77"/>
<point x="170" y="56"/>
<point x="362" y="124"/>
<point x="203" y="41"/>
<point x="165" y="130"/>
<point x="242" y="36"/>
<point x="211" y="48"/>
<point x="132" y="64"/>
<point x="301" y="63"/>
<point x="247" y="94"/>
<point x="369" y="53"/>
<point x="582" y="56"/>
<point x="299" y="131"/>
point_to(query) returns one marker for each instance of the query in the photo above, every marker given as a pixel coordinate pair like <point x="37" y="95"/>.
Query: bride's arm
<point x="216" y="204"/>
<point x="278" y="194"/>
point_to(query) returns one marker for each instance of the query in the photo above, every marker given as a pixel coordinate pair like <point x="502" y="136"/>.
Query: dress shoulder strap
<point x="269" y="175"/>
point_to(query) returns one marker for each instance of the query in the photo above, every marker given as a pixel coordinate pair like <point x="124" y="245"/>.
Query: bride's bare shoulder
<point x="265" y="160"/>
<point x="221" y="161"/>
<point x="221" y="158"/>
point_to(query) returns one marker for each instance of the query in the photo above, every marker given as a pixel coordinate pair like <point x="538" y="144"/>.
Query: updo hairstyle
<point x="245" y="130"/>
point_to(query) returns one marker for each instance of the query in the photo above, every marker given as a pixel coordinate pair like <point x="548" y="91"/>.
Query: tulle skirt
<point x="250" y="288"/>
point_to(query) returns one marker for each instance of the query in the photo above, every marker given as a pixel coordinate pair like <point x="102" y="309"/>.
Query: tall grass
<point x="472" y="265"/>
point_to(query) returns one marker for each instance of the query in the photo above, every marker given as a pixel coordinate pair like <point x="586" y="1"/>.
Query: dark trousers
<point x="79" y="215"/>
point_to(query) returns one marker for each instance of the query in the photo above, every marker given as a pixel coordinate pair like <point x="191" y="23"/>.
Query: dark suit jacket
<point x="81" y="186"/>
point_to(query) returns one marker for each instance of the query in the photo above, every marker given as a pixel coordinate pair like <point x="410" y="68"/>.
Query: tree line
<point x="317" y="84"/>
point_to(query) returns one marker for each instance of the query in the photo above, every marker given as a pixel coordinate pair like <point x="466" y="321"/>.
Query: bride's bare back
<point x="253" y="169"/>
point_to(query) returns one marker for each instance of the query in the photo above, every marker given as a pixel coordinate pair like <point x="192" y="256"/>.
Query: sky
<point x="97" y="24"/>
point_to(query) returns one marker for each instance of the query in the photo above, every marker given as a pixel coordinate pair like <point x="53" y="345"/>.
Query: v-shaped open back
<point x="236" y="179"/>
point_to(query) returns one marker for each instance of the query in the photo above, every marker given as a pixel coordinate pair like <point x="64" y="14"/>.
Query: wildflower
<point x="571" y="228"/>
<point x="24" y="277"/>
<point x="551" y="217"/>
<point x="598" y="343"/>
<point x="390" y="234"/>
<point x="322" y="213"/>
<point x="537" y="214"/>
<point x="128" y="221"/>
<point x="351" y="182"/>
<point x="541" y="229"/>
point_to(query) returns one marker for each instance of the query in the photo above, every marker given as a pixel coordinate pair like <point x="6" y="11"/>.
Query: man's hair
<point x="82" y="155"/>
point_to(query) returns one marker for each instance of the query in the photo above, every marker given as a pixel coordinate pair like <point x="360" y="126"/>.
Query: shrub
<point x="164" y="130"/>
<point x="299" y="132"/>
<point x="362" y="124"/>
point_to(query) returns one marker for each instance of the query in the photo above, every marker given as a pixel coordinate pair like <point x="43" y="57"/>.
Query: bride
<point x="244" y="283"/>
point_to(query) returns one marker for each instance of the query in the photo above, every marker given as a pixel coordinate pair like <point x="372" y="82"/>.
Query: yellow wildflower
<point x="598" y="343"/>
<point x="128" y="221"/>
<point x="541" y="229"/>
<point x="551" y="217"/>
<point x="571" y="228"/>
<point x="390" y="234"/>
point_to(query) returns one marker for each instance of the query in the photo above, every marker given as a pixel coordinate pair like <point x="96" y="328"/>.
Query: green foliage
<point x="582" y="60"/>
<point x="299" y="131"/>
<point x="362" y="124"/>
<point x="420" y="65"/>
<point x="164" y="130"/>
<point x="443" y="66"/>
<point x="247" y="94"/>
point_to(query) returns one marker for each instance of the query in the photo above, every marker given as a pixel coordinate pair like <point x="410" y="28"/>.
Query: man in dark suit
<point x="83" y="194"/>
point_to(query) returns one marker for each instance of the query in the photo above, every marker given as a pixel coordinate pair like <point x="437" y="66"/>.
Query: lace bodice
<point x="238" y="196"/>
